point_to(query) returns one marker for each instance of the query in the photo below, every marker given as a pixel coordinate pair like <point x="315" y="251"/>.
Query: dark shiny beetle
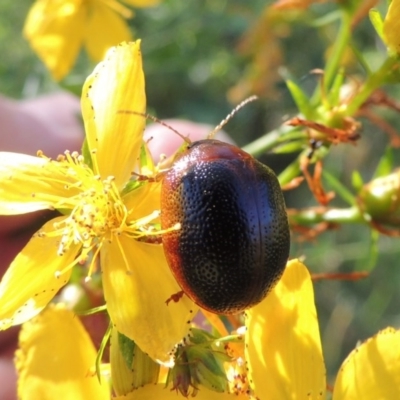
<point x="233" y="243"/>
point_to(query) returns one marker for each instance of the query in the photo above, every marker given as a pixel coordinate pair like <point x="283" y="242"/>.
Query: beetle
<point x="233" y="242"/>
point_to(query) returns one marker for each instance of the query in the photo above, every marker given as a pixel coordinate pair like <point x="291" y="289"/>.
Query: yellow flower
<point x="57" y="29"/>
<point x="284" y="356"/>
<point x="56" y="358"/>
<point x="391" y="27"/>
<point x="159" y="391"/>
<point x="100" y="216"/>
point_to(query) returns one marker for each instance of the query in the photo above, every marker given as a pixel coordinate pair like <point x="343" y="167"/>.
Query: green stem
<point x="374" y="81"/>
<point x="310" y="216"/>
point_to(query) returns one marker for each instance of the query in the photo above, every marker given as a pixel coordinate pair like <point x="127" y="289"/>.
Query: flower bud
<point x="380" y="200"/>
<point x="199" y="361"/>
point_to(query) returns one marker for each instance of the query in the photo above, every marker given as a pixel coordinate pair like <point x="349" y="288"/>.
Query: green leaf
<point x="360" y="56"/>
<point x="357" y="181"/>
<point x="127" y="348"/>
<point x="146" y="167"/>
<point x="374" y="250"/>
<point x="290" y="172"/>
<point x="132" y="185"/>
<point x="131" y="368"/>
<point x="199" y="336"/>
<point x="339" y="188"/>
<point x="326" y="19"/>
<point x="291" y="147"/>
<point x="86" y="154"/>
<point x="145" y="158"/>
<point x="92" y="311"/>
<point x="377" y="21"/>
<point x="334" y="94"/>
<point x="300" y="98"/>
<point x="231" y="339"/>
<point x="385" y="165"/>
<point x="99" y="356"/>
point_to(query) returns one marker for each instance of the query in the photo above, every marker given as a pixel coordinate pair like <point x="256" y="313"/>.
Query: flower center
<point x="97" y="212"/>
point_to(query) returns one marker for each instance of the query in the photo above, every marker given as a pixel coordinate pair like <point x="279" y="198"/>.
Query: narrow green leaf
<point x="360" y="56"/>
<point x="357" y="181"/>
<point x="334" y="94"/>
<point x="132" y="185"/>
<point x="291" y="147"/>
<point x="103" y="345"/>
<point x="290" y="172"/>
<point x="374" y="250"/>
<point x="385" y="165"/>
<point x="146" y="160"/>
<point x="339" y="188"/>
<point x="87" y="157"/>
<point x="326" y="19"/>
<point x="231" y="339"/>
<point x="300" y="98"/>
<point x="92" y="311"/>
<point x="377" y="21"/>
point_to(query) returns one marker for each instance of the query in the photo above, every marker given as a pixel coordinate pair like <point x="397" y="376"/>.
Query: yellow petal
<point x="159" y="391"/>
<point x="391" y="26"/>
<point x="283" y="347"/>
<point x="143" y="201"/>
<point x="141" y="3"/>
<point x="55" y="29"/>
<point x="136" y="299"/>
<point x="29" y="184"/>
<point x="372" y="370"/>
<point x="117" y="84"/>
<point x="97" y="39"/>
<point x="30" y="282"/>
<point x="55" y="358"/>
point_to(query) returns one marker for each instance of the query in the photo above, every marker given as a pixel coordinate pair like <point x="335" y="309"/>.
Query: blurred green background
<point x="195" y="58"/>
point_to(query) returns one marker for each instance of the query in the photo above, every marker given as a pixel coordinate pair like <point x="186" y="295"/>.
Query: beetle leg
<point x="175" y="297"/>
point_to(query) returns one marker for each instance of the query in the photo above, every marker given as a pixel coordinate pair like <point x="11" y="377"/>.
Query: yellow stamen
<point x="95" y="210"/>
<point x="92" y="265"/>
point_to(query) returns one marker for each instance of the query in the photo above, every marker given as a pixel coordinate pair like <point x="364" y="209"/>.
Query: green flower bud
<point x="199" y="361"/>
<point x="379" y="200"/>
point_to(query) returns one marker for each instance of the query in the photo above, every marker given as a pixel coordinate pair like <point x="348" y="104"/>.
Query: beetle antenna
<point x="230" y="115"/>
<point x="156" y="120"/>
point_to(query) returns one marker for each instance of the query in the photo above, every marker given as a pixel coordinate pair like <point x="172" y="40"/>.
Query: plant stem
<point x="312" y="216"/>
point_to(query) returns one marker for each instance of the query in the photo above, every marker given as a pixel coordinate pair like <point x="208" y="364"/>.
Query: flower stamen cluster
<point x="96" y="211"/>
